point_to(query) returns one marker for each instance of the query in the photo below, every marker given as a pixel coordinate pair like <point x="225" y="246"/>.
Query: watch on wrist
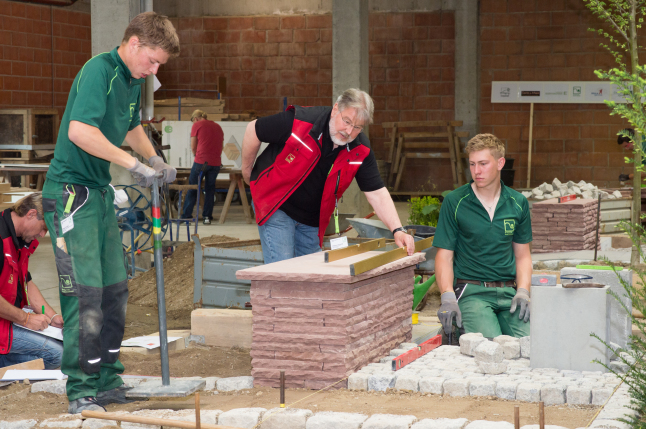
<point x="400" y="229"/>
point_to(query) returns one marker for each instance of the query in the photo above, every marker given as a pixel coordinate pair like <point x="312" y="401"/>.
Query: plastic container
<point x="422" y="231"/>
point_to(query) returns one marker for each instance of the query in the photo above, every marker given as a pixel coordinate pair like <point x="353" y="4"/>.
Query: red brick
<point x="292" y="22"/>
<point x="493" y="34"/>
<point x="266" y="76"/>
<point x="203" y="37"/>
<point x="318" y="48"/>
<point x="292" y="49"/>
<point x="427" y="46"/>
<point x="212" y="23"/>
<point x="319" y="76"/>
<point x="282" y="36"/>
<point x="265" y="49"/>
<point x="319" y="21"/>
<point x="226" y="36"/>
<point x="240" y="23"/>
<point x="299" y="63"/>
<point x="252" y="63"/>
<point x="190" y="24"/>
<point x="428" y="19"/>
<point x="253" y="36"/>
<point x="267" y="23"/>
<point x="240" y="49"/>
<point x="279" y="63"/>
<point x="292" y="76"/>
<point x="311" y="35"/>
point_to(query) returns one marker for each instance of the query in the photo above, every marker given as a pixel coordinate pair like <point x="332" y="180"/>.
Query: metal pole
<point x="149" y="90"/>
<point x="159" y="275"/>
<point x="529" y="150"/>
<point x="596" y="241"/>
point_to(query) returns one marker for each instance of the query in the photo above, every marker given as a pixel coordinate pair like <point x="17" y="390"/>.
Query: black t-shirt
<point x="304" y="205"/>
<point x="7" y="229"/>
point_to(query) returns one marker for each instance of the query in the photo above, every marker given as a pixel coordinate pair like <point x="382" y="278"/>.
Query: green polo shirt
<point x="104" y="95"/>
<point x="482" y="247"/>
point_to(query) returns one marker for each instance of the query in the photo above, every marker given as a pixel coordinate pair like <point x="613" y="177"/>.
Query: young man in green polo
<point x="483" y="263"/>
<point x="102" y="112"/>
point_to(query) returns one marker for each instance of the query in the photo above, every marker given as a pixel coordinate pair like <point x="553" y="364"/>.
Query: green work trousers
<point x="93" y="285"/>
<point x="486" y="310"/>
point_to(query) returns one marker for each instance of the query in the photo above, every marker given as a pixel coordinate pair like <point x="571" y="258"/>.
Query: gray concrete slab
<point x="561" y="324"/>
<point x="176" y="389"/>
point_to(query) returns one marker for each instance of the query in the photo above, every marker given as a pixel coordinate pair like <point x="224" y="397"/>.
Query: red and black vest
<point x="13" y="275"/>
<point x="279" y="170"/>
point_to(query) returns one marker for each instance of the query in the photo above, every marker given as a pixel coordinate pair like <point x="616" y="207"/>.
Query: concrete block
<point x="440" y="424"/>
<point x="408" y="346"/>
<point x="493" y="368"/>
<point x="502" y="339"/>
<point x="381" y="381"/>
<point x="620" y="321"/>
<point x="553" y="394"/>
<point x="469" y="342"/>
<point x="482" y="387"/>
<point x="408" y="382"/>
<point x="506" y="389"/>
<point x="484" y="424"/>
<point x="397" y="352"/>
<point x="210" y="383"/>
<point x="93" y="423"/>
<point x="50" y="386"/>
<point x="234" y="383"/>
<point x="233" y="327"/>
<point x="488" y="352"/>
<point x="528" y="392"/>
<point x="511" y="349"/>
<point x="241" y="417"/>
<point x="19" y="424"/>
<point x="456" y="387"/>
<point x="179" y="344"/>
<point x="285" y="418"/>
<point x="388" y="421"/>
<point x="600" y="395"/>
<point x="432" y="385"/>
<point x="62" y="423"/>
<point x="330" y="419"/>
<point x="582" y="311"/>
<point x="579" y="395"/>
<point x="525" y="343"/>
<point x="206" y="416"/>
<point x="358" y="381"/>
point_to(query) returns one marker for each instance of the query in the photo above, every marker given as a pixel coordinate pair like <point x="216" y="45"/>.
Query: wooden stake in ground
<point x="541" y="415"/>
<point x="516" y="417"/>
<point x="529" y="151"/>
<point x="198" y="419"/>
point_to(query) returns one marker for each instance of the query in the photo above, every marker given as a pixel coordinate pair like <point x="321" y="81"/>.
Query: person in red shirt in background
<point x="206" y="143"/>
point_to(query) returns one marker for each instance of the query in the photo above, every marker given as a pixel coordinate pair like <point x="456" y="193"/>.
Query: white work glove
<point x="158" y="164"/>
<point x="142" y="174"/>
<point x="522" y="299"/>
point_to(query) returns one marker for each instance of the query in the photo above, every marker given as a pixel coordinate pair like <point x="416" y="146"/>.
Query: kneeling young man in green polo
<point x="483" y="263"/>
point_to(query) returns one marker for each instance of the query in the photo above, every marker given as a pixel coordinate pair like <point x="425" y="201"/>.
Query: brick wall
<point x="266" y="58"/>
<point x="26" y="61"/>
<point x="548" y="40"/>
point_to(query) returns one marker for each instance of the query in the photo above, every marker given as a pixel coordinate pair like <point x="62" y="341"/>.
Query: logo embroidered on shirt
<point x="10" y="279"/>
<point x="132" y="109"/>
<point x="290" y="158"/>
<point x="510" y="226"/>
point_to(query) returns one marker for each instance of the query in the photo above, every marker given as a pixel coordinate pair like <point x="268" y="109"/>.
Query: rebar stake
<point x="282" y="389"/>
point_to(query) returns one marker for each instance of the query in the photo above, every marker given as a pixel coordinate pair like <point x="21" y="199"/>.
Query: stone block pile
<point x="319" y="333"/>
<point x="558" y="189"/>
<point x="564" y="227"/>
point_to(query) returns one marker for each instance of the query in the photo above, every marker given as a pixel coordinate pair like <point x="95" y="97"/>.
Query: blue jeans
<point x="28" y="345"/>
<point x="209" y="187"/>
<point x="284" y="238"/>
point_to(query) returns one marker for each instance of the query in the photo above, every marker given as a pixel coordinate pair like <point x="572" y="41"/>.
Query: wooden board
<point x="32" y="364"/>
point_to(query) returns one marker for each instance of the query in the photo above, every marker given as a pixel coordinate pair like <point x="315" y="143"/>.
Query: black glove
<point x="142" y="174"/>
<point x="522" y="299"/>
<point x="448" y="310"/>
<point x="624" y="177"/>
<point x="158" y="164"/>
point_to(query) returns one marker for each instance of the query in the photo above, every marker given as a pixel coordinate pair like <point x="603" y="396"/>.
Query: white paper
<point x="339" y="243"/>
<point x="50" y="331"/>
<point x="67" y="224"/>
<point x="34" y="374"/>
<point x="145" y="342"/>
<point x="156" y="84"/>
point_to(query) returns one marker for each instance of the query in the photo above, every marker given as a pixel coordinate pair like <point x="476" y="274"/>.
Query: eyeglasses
<point x="347" y="122"/>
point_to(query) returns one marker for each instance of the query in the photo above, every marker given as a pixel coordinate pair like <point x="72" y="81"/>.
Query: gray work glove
<point x="142" y="174"/>
<point x="158" y="164"/>
<point x="624" y="177"/>
<point x="448" y="310"/>
<point x="522" y="299"/>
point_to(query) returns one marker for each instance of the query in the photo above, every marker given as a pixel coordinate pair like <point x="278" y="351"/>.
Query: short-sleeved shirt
<point x="483" y="247"/>
<point x="209" y="142"/>
<point x="106" y="96"/>
<point x="304" y="205"/>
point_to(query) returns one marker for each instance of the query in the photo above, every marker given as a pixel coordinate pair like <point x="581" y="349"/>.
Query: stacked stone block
<point x="320" y="333"/>
<point x="564" y="227"/>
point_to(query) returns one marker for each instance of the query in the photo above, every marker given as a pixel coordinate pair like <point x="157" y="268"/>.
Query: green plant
<point x="631" y="368"/>
<point x="425" y="210"/>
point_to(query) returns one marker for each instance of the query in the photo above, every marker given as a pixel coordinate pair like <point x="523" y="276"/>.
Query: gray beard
<point x="333" y="136"/>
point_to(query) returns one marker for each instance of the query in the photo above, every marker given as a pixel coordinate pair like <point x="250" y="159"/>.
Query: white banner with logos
<point x="554" y="92"/>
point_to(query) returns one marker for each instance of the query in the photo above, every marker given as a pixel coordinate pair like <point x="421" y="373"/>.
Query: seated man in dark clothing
<point x="20" y="226"/>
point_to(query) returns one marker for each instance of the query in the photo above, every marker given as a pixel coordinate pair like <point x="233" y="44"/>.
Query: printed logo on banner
<point x="576" y="91"/>
<point x="530" y="93"/>
<point x="505" y="91"/>
<point x="597" y="93"/>
<point x="556" y="93"/>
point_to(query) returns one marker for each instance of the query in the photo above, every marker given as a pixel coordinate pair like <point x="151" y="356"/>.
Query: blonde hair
<point x="153" y="31"/>
<point x="198" y="114"/>
<point x="486" y="141"/>
<point x="33" y="201"/>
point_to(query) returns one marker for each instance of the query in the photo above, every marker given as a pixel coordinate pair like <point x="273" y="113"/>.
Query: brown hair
<point x="153" y="31"/>
<point x="33" y="201"/>
<point x="486" y="141"/>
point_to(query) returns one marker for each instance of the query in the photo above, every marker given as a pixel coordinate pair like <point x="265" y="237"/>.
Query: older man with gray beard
<point x="314" y="153"/>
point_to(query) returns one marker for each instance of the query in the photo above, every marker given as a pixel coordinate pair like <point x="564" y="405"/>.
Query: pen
<point x="43" y="309"/>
